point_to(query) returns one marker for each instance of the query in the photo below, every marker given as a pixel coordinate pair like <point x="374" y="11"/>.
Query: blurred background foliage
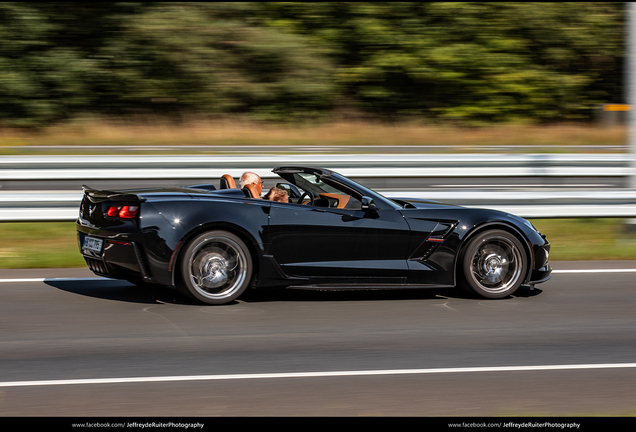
<point x="467" y="63"/>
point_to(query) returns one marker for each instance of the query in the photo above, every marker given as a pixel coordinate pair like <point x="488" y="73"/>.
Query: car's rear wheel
<point x="216" y="268"/>
<point x="493" y="264"/>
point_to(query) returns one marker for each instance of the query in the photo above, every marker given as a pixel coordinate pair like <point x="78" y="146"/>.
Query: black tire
<point x="493" y="264"/>
<point x="215" y="268"/>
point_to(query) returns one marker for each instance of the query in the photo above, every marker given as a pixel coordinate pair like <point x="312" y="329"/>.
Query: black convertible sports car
<point x="333" y="233"/>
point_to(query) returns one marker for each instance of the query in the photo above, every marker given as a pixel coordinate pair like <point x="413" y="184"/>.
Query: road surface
<point x="74" y="345"/>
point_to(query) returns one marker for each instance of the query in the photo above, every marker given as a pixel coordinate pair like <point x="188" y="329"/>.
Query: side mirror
<point x="368" y="204"/>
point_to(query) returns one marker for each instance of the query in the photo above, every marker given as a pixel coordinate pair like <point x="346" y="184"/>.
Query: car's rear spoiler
<point x="96" y="195"/>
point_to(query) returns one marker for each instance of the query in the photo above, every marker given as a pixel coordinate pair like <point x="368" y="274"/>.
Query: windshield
<point x="313" y="183"/>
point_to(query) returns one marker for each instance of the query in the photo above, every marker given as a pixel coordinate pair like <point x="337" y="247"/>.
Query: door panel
<point x="330" y="242"/>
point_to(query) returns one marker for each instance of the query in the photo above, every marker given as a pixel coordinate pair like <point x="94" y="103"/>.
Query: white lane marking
<point x="596" y="271"/>
<point x="69" y="279"/>
<point x="315" y="374"/>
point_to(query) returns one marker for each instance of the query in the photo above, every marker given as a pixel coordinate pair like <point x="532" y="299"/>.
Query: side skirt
<point x="353" y="287"/>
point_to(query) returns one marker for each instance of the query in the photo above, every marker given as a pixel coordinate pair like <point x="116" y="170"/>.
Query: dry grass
<point x="231" y="133"/>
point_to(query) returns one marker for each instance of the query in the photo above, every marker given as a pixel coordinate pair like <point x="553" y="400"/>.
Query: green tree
<point x="39" y="81"/>
<point x="209" y="58"/>
<point x="467" y="61"/>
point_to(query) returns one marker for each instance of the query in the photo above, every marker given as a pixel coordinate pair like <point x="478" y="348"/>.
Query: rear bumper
<point x="118" y="259"/>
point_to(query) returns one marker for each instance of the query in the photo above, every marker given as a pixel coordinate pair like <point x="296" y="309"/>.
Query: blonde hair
<point x="277" y="194"/>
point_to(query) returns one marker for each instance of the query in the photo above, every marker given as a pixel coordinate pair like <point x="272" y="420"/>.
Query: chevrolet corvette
<point x="333" y="234"/>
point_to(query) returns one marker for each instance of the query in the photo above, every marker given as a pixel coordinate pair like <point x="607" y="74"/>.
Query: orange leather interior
<point x="342" y="199"/>
<point x="227" y="182"/>
<point x="252" y="191"/>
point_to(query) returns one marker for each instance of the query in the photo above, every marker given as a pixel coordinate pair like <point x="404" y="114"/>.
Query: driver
<point x="277" y="194"/>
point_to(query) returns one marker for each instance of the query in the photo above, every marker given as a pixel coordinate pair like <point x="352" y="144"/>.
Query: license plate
<point x="93" y="244"/>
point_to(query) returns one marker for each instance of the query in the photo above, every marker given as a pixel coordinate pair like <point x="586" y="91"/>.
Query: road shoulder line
<point x="157" y="379"/>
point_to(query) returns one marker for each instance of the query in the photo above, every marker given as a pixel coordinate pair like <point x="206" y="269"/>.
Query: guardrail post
<point x="630" y="83"/>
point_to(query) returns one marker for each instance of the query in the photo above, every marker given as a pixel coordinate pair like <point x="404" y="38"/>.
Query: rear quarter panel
<point x="167" y="225"/>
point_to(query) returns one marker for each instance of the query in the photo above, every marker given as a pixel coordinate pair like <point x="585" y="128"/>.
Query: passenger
<point x="277" y="194"/>
<point x="253" y="179"/>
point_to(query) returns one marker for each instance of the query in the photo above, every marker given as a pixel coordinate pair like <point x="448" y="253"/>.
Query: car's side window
<point x="312" y="190"/>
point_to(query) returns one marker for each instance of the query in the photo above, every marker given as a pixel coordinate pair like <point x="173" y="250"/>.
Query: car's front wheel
<point x="216" y="268"/>
<point x="493" y="264"/>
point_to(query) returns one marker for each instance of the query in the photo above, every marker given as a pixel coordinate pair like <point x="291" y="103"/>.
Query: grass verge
<point x="39" y="245"/>
<point x="54" y="244"/>
<point x="75" y="137"/>
<point x="588" y="239"/>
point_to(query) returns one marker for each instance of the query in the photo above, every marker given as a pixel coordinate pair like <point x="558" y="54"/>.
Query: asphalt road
<point x="571" y="343"/>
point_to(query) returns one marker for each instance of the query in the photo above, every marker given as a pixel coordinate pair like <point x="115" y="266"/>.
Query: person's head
<point x="251" y="178"/>
<point x="277" y="194"/>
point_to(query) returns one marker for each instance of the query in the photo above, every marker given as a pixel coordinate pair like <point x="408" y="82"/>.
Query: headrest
<point x="227" y="182"/>
<point x="251" y="192"/>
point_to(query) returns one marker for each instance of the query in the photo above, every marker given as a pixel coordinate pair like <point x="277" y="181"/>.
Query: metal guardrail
<point x="379" y="165"/>
<point x="63" y="205"/>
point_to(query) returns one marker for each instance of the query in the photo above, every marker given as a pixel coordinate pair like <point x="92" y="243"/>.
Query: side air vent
<point x="143" y="265"/>
<point x="435" y="238"/>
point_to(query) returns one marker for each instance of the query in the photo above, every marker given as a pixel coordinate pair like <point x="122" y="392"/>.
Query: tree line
<point x="463" y="62"/>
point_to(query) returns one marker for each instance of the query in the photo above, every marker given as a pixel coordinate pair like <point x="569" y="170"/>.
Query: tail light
<point x="124" y="212"/>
